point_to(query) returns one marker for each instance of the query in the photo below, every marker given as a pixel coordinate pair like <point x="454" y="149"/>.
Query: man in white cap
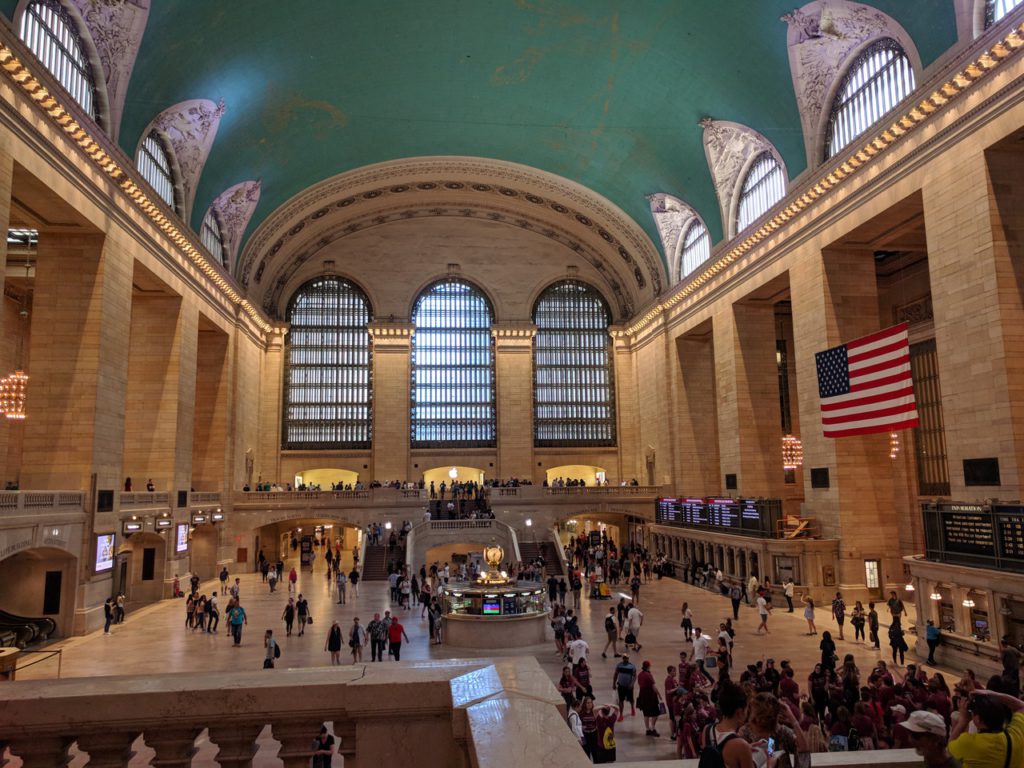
<point x="928" y="736"/>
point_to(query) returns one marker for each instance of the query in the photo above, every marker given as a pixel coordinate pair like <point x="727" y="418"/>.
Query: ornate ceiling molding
<point x="823" y="37"/>
<point x="234" y="207"/>
<point x="116" y="28"/>
<point x="190" y="127"/>
<point x="508" y="193"/>
<point x="730" y="149"/>
<point x="672" y="217"/>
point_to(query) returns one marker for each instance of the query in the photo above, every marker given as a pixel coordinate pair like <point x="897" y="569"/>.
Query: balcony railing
<point x="17" y="502"/>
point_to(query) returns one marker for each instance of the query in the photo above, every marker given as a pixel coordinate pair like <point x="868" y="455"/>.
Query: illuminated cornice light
<point x="12" y="395"/>
<point x="792" y="452"/>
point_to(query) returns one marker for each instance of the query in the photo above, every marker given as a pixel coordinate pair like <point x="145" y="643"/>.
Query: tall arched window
<point x="995" y="10"/>
<point x="877" y="80"/>
<point x="573" y="384"/>
<point x="327" y="393"/>
<point x="154" y="163"/>
<point x="211" y="236"/>
<point x="53" y="36"/>
<point x="763" y="187"/>
<point x="696" y="248"/>
<point x="452" y="368"/>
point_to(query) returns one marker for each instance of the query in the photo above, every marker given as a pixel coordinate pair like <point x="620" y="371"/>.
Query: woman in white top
<point x="687" y="623"/>
<point x="809" y="615"/>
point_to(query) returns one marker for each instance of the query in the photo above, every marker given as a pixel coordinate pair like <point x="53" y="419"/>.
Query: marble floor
<point x="154" y="638"/>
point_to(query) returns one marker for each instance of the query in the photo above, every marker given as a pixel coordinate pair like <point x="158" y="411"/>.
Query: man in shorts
<point x="623" y="681"/>
<point x="613" y="634"/>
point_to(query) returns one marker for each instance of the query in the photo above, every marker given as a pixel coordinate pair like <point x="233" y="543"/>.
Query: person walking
<point x="613" y="635"/>
<point x="356" y="640"/>
<point x="897" y="643"/>
<point x="634" y="620"/>
<point x="293" y="579"/>
<point x="649" y="699"/>
<point x="273" y="650"/>
<point x="700" y="649"/>
<point x="333" y="642"/>
<point x="341" y="581"/>
<point x="623" y="680"/>
<point x="353" y="579"/>
<point x="289" y="616"/>
<point x="396" y="632"/>
<point x="236" y="620"/>
<point x="224" y="580"/>
<point x="828" y="651"/>
<point x="302" y="610"/>
<point x="378" y="632"/>
<point x="787" y="591"/>
<point x="687" y="622"/>
<point x="858" y="619"/>
<point x="809" y="615"/>
<point x="108" y="615"/>
<point x="873" y="626"/>
<point x="735" y="596"/>
<point x="763" y="609"/>
<point x="839" y="612"/>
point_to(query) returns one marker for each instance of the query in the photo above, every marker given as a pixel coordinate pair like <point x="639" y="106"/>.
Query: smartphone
<point x="771" y="746"/>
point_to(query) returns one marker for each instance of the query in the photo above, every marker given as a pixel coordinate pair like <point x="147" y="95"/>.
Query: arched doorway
<point x="439" y="475"/>
<point x="284" y="540"/>
<point x="326" y="478"/>
<point x="41" y="582"/>
<point x="589" y="474"/>
<point x="142" y="566"/>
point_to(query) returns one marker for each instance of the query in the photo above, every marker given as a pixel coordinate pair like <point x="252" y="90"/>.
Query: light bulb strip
<point x="64" y="120"/>
<point x="952" y="89"/>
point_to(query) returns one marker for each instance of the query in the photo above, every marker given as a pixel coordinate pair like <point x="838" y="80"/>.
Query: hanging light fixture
<point x="968" y="602"/>
<point x="909" y="587"/>
<point x="894" y="445"/>
<point x="792" y="452"/>
<point x="935" y="596"/>
<point x="13" y="386"/>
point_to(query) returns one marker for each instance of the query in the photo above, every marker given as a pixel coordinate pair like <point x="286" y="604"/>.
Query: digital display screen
<point x="181" y="540"/>
<point x="749" y="517"/>
<point x="104" y="553"/>
<point x="492" y="608"/>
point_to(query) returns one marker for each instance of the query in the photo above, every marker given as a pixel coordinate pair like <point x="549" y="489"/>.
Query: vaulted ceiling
<point x="606" y="94"/>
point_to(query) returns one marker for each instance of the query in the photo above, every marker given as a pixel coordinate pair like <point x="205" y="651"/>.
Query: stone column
<point x="268" y="462"/>
<point x="513" y="367"/>
<point x="974" y="211"/>
<point x="626" y="409"/>
<point x="392" y="347"/>
<point x="749" y="420"/>
<point x="212" y="387"/>
<point x="835" y="300"/>
<point x="10" y="332"/>
<point x="160" y="394"/>
<point x="698" y="470"/>
<point x="77" y="382"/>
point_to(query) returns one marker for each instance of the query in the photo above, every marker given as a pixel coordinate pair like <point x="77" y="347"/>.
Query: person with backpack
<point x="613" y="634"/>
<point x="273" y="649"/>
<point x="577" y="589"/>
<point x="843" y="736"/>
<point x="735" y="596"/>
<point x="623" y="681"/>
<point x="720" y="744"/>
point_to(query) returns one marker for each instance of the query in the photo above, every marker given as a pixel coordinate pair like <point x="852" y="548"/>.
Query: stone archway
<point x="38" y="582"/>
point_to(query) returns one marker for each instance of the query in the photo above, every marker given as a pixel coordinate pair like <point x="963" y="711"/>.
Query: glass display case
<point x="521" y="598"/>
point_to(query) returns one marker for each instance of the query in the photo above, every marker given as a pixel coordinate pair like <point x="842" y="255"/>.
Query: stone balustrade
<point x="604" y="491"/>
<point x="13" y="503"/>
<point x="456" y="525"/>
<point x="130" y="501"/>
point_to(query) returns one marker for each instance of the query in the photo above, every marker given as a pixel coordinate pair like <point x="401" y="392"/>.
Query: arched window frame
<point x="878" y="78"/>
<point x="328" y="384"/>
<point x="694" y="247"/>
<point x="764" y="185"/>
<point x="155" y="161"/>
<point x="452" y="389"/>
<point x="59" y="38"/>
<point x="997" y="10"/>
<point x="573" y="371"/>
<point x="212" y="236"/>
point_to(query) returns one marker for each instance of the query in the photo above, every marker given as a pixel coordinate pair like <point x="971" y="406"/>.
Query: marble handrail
<point x="16" y="502"/>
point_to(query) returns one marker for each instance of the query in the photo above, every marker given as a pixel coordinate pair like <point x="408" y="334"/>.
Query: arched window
<point x="452" y="368"/>
<point x="696" y="248"/>
<point x="154" y="163"/>
<point x="211" y="236"/>
<point x="763" y="187"/>
<point x="52" y="35"/>
<point x="573" y="384"/>
<point x="995" y="10"/>
<point x="327" y="393"/>
<point x="877" y="80"/>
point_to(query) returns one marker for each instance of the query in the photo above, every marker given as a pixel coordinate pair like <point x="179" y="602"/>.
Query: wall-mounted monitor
<point x="104" y="553"/>
<point x="492" y="608"/>
<point x="181" y="539"/>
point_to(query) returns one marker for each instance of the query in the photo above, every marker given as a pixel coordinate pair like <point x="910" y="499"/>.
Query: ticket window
<point x="947" y="612"/>
<point x="980" y="629"/>
<point x="873" y="576"/>
<point x="787" y="568"/>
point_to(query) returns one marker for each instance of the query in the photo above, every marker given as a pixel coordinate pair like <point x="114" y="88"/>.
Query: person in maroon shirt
<point x="671" y="684"/>
<point x="789" y="688"/>
<point x="605" y="718"/>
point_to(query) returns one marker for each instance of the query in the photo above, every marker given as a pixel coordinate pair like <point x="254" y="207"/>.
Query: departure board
<point x="748" y="517"/>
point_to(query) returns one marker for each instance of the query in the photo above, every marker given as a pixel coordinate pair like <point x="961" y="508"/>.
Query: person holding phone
<point x="773" y="732"/>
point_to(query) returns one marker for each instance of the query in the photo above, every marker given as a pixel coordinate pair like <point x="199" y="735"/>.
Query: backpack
<point x="711" y="753"/>
<point x="277" y="651"/>
<point x="838" y="743"/>
<point x="577" y="584"/>
<point x="609" y="624"/>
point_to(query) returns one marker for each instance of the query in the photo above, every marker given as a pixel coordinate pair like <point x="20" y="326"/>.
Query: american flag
<point x="866" y="386"/>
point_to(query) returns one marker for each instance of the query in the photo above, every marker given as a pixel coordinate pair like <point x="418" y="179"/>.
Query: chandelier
<point x="894" y="445"/>
<point x="792" y="452"/>
<point x="12" y="395"/>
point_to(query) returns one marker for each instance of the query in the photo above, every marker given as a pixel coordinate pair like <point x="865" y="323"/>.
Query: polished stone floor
<point x="154" y="638"/>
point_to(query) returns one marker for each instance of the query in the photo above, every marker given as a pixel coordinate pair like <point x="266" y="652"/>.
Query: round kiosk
<point x="494" y="611"/>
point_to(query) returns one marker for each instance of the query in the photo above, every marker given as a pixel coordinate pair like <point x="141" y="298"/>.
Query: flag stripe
<point x="866" y="385"/>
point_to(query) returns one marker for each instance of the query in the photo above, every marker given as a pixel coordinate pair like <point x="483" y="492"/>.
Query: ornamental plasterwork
<point x="822" y="37"/>
<point x="234" y="207"/>
<point x="482" y="176"/>
<point x="282" y="271"/>
<point x="730" y="148"/>
<point x="191" y="127"/>
<point x="116" y="28"/>
<point x="672" y="217"/>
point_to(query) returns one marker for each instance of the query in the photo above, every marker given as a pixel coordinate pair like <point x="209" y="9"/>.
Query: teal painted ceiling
<point x="605" y="93"/>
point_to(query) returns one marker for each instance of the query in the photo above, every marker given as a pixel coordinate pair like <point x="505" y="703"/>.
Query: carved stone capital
<point x="513" y="336"/>
<point x="391" y="335"/>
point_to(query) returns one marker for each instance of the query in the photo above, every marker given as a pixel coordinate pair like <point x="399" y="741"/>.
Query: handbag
<point x="662" y="709"/>
<point x="309" y="619"/>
